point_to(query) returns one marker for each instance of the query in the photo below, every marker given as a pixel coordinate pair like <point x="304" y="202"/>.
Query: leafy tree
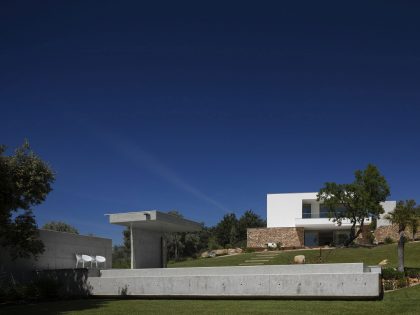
<point x="249" y="220"/>
<point x="402" y="216"/>
<point x="25" y="181"/>
<point x="227" y="230"/>
<point x="120" y="259"/>
<point x="60" y="226"/>
<point x="127" y="240"/>
<point x="174" y="241"/>
<point x="414" y="223"/>
<point x="356" y="201"/>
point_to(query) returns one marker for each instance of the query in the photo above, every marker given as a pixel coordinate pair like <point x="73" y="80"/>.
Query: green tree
<point x="402" y="216"/>
<point x="414" y="223"/>
<point x="25" y="181"/>
<point x="60" y="226"/>
<point x="127" y="240"/>
<point x="174" y="241"/>
<point x="227" y="230"/>
<point x="356" y="201"/>
<point x="249" y="220"/>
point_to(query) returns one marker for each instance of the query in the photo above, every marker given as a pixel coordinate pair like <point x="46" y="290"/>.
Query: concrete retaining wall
<point x="60" y="250"/>
<point x="289" y="281"/>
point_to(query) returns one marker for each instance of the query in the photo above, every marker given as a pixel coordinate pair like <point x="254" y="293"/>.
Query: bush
<point x="395" y="284"/>
<point x="402" y="283"/>
<point x="249" y="250"/>
<point x="45" y="288"/>
<point x="392" y="274"/>
<point x="40" y="288"/>
<point x="388" y="285"/>
<point x="370" y="238"/>
<point x="388" y="240"/>
<point x="412" y="272"/>
<point x="213" y="244"/>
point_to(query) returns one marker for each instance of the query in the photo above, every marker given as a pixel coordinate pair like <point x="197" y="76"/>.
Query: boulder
<point x="238" y="250"/>
<point x="299" y="259"/>
<point x="205" y="254"/>
<point x="231" y="251"/>
<point x="219" y="252"/>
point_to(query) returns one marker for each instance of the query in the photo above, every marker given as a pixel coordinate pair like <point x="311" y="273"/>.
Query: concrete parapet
<point x="346" y="281"/>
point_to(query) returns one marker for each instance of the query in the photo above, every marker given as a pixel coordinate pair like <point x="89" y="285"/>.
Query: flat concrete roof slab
<point x="154" y="220"/>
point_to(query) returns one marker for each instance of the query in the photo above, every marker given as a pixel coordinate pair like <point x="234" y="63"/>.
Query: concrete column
<point x="147" y="247"/>
<point x="133" y="263"/>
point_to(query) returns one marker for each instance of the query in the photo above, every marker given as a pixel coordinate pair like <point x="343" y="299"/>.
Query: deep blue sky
<point x="207" y="108"/>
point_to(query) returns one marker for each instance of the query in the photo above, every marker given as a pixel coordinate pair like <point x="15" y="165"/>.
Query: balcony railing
<point x="320" y="215"/>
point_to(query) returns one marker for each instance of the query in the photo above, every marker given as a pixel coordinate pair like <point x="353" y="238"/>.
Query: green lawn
<point x="370" y="256"/>
<point x="404" y="301"/>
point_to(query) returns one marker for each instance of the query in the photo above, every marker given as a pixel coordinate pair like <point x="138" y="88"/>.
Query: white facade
<point x="286" y="210"/>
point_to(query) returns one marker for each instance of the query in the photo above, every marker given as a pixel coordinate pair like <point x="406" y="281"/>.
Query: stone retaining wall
<point x="287" y="236"/>
<point x="392" y="231"/>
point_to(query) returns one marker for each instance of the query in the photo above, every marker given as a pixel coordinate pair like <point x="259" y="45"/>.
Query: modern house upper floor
<point x="303" y="210"/>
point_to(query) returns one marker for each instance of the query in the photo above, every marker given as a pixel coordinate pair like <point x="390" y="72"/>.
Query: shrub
<point x="47" y="288"/>
<point x="370" y="238"/>
<point x="392" y="274"/>
<point x="388" y="285"/>
<point x="412" y="272"/>
<point x="249" y="250"/>
<point x="388" y="240"/>
<point x="402" y="283"/>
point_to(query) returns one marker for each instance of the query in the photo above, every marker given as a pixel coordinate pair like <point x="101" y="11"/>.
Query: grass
<point x="370" y="256"/>
<point x="404" y="301"/>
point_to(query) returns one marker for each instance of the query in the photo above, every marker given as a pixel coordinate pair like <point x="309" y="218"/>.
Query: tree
<point x="60" y="226"/>
<point x="356" y="201"/>
<point x="227" y="230"/>
<point x="402" y="216"/>
<point x="249" y="220"/>
<point x="127" y="240"/>
<point x="25" y="181"/>
<point x="414" y="223"/>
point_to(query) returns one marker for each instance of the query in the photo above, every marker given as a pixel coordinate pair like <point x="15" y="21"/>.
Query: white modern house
<point x="298" y="220"/>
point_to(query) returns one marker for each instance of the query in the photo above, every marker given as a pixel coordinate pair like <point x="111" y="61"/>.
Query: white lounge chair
<point x="87" y="259"/>
<point x="100" y="259"/>
<point x="78" y="259"/>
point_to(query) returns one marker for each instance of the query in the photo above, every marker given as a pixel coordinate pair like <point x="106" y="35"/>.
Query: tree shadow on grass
<point x="53" y="307"/>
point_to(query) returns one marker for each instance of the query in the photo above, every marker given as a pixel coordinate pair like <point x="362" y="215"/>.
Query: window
<point x="306" y="210"/>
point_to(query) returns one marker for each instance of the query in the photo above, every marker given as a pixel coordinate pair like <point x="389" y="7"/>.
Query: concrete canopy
<point x="147" y="235"/>
<point x="154" y="221"/>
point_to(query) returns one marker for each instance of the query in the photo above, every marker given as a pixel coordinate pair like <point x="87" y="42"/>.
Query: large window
<point x="306" y="211"/>
<point x="326" y="237"/>
<point x="324" y="212"/>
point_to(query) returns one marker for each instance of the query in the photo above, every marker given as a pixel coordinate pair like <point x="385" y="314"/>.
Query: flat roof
<point x="154" y="220"/>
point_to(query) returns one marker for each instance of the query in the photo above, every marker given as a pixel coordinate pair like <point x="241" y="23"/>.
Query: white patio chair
<point x="78" y="259"/>
<point x="100" y="259"/>
<point x="87" y="259"/>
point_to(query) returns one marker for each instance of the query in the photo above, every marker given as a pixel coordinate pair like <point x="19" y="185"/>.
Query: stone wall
<point x="287" y="236"/>
<point x="392" y="231"/>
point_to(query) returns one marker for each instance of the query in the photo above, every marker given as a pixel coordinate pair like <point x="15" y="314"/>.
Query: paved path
<point x="260" y="258"/>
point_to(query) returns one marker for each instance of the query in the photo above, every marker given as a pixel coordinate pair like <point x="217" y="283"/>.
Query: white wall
<point x="283" y="209"/>
<point x="388" y="207"/>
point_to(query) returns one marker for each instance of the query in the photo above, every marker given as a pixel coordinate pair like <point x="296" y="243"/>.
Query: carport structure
<point x="147" y="230"/>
